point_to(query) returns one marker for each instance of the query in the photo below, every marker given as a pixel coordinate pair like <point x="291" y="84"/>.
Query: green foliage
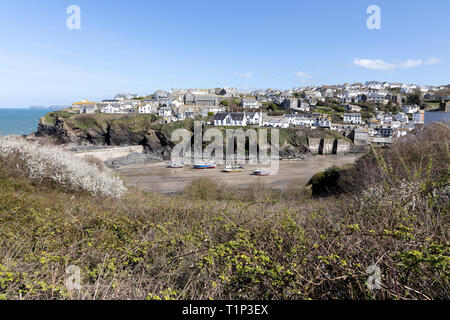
<point x="415" y="98"/>
<point x="326" y="182"/>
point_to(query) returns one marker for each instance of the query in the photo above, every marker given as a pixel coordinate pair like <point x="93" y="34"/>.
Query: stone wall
<point x="314" y="145"/>
<point x="110" y="153"/>
<point x="333" y="146"/>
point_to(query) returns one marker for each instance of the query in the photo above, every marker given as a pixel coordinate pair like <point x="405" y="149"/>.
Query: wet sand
<point x="156" y="177"/>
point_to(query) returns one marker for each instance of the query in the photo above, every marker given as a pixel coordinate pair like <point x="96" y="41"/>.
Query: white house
<point x="300" y="120"/>
<point x="111" y="109"/>
<point x="230" y="119"/>
<point x="88" y="109"/>
<point x="165" y="112"/>
<point x="276" y="122"/>
<point x="410" y="108"/>
<point x="254" y="118"/>
<point x="354" y="118"/>
<point x="323" y="121"/>
<point x="214" y="109"/>
<point x="148" y="108"/>
<point x="250" y="103"/>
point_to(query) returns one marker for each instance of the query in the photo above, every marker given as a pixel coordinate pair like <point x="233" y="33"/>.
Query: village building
<point x="148" y="108"/>
<point x="419" y="117"/>
<point x="323" y="121"/>
<point x="276" y="122"/>
<point x="354" y="118"/>
<point x="385" y="131"/>
<point x="402" y="117"/>
<point x="360" y="136"/>
<point x="410" y="108"/>
<point x="165" y="112"/>
<point x="254" y="118"/>
<point x="230" y="119"/>
<point x="250" y="103"/>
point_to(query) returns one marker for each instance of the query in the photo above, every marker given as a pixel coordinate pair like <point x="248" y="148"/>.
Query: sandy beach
<point x="156" y="177"/>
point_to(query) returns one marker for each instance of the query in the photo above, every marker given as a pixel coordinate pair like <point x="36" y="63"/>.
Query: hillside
<point x="146" y="130"/>
<point x="214" y="242"/>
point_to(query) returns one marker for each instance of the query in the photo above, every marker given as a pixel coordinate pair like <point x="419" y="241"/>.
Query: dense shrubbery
<point x="43" y="164"/>
<point x="161" y="247"/>
<point x="326" y="182"/>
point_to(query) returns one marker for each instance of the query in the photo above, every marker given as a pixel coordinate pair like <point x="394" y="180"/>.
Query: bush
<point x="425" y="153"/>
<point x="204" y="189"/>
<point x="42" y="164"/>
<point x="326" y="182"/>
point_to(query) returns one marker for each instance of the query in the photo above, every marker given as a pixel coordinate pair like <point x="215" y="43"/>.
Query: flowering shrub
<point x="50" y="163"/>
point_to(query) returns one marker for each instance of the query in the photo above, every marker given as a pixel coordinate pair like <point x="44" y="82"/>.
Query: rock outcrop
<point x="155" y="142"/>
<point x="104" y="130"/>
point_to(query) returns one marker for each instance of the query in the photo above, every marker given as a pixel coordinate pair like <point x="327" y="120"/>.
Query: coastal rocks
<point x="288" y="151"/>
<point x="120" y="135"/>
<point x="157" y="144"/>
<point x="58" y="130"/>
<point x="154" y="142"/>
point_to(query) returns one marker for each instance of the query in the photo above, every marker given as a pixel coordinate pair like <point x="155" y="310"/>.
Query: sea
<point x="20" y="121"/>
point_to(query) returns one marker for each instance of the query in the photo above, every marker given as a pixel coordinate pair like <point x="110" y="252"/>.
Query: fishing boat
<point x="259" y="172"/>
<point x="237" y="168"/>
<point x="204" y="166"/>
<point x="175" y="165"/>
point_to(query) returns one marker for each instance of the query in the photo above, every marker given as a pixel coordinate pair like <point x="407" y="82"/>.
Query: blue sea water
<point x="20" y="121"/>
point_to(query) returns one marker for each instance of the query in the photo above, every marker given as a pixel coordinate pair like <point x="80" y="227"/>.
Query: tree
<point x="414" y="99"/>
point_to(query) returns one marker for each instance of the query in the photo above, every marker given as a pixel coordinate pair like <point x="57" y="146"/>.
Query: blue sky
<point x="139" y="46"/>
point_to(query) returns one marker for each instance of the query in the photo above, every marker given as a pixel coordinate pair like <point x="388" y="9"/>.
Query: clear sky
<point x="139" y="46"/>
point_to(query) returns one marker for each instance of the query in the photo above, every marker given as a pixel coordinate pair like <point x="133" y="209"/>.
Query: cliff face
<point x="128" y="130"/>
<point x="110" y="133"/>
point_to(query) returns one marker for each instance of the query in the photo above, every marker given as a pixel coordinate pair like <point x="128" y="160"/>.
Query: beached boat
<point x="259" y="172"/>
<point x="175" y="165"/>
<point x="237" y="168"/>
<point x="204" y="166"/>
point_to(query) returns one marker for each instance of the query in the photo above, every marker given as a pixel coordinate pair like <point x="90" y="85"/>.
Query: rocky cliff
<point x="145" y="130"/>
<point x="107" y="130"/>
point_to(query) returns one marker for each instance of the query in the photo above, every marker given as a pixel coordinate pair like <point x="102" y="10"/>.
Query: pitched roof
<point x="220" y="115"/>
<point x="205" y="97"/>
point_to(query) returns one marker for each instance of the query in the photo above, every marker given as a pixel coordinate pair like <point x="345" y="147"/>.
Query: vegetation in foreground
<point x="235" y="244"/>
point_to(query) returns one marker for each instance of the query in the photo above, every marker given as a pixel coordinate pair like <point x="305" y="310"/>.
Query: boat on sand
<point x="260" y="172"/>
<point x="175" y="165"/>
<point x="236" y="168"/>
<point x="204" y="166"/>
